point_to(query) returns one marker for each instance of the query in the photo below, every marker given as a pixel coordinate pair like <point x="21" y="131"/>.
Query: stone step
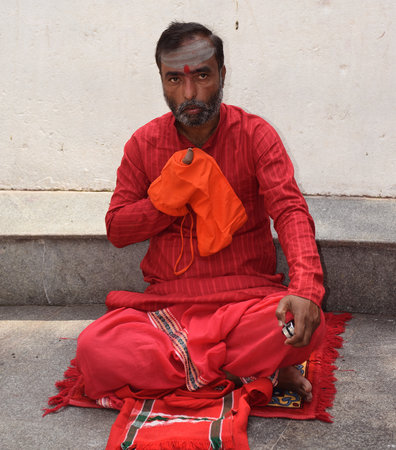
<point x="54" y="251"/>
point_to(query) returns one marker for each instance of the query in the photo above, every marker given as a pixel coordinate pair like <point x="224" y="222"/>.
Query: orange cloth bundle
<point x="204" y="187"/>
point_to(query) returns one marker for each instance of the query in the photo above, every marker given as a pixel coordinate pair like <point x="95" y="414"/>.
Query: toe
<point x="306" y="388"/>
<point x="306" y="385"/>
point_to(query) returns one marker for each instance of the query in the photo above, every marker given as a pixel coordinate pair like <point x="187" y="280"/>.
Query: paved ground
<point x="33" y="356"/>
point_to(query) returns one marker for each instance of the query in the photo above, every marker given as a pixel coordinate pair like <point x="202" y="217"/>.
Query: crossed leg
<point x="254" y="345"/>
<point x="123" y="347"/>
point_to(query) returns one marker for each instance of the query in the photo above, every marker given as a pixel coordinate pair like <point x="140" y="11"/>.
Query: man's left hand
<point x="306" y="318"/>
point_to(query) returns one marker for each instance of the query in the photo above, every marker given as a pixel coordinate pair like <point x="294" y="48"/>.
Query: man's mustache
<point x="190" y="104"/>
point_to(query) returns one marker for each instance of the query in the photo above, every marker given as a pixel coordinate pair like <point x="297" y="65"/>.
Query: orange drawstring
<point x="179" y="272"/>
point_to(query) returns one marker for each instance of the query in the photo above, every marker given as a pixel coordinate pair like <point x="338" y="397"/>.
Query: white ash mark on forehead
<point x="191" y="54"/>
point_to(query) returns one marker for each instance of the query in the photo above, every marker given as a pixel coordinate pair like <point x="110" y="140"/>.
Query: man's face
<point x="192" y="84"/>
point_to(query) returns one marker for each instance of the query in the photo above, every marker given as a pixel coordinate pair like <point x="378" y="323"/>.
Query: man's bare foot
<point x="290" y="379"/>
<point x="236" y="380"/>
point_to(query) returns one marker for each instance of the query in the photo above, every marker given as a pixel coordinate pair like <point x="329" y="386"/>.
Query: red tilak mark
<point x="186" y="69"/>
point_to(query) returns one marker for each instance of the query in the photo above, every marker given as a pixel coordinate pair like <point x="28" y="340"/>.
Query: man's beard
<point x="208" y="110"/>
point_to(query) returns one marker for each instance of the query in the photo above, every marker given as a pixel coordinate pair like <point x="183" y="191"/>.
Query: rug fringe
<point x="336" y="325"/>
<point x="65" y="388"/>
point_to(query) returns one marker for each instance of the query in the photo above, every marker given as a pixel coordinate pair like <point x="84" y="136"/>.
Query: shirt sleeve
<point x="287" y="207"/>
<point x="131" y="216"/>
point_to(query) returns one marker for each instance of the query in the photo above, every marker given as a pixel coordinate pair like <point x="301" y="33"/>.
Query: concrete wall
<point x="77" y="77"/>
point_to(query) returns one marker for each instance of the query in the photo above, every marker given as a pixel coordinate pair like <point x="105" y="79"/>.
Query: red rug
<point x="213" y="417"/>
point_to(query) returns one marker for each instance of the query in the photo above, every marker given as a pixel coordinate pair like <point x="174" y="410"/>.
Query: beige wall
<point x="78" y="77"/>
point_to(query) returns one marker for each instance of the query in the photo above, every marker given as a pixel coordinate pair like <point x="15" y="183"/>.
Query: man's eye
<point x="203" y="76"/>
<point x="173" y="80"/>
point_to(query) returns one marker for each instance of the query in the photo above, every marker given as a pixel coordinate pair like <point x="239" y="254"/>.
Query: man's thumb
<point x="188" y="157"/>
<point x="281" y="313"/>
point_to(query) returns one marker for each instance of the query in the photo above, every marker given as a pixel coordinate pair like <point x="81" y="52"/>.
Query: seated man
<point x="214" y="308"/>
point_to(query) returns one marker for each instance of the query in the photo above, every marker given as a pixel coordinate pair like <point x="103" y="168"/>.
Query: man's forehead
<point x="188" y="55"/>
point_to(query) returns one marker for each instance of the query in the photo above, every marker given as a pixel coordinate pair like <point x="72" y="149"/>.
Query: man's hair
<point x="178" y="32"/>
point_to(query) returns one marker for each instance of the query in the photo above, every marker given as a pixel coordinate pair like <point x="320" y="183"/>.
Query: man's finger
<point x="303" y="331"/>
<point x="189" y="156"/>
<point x="280" y="312"/>
<point x="298" y="338"/>
<point x="298" y="341"/>
<point x="299" y="330"/>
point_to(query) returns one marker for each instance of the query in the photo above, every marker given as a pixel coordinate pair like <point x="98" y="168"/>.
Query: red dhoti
<point x="185" y="345"/>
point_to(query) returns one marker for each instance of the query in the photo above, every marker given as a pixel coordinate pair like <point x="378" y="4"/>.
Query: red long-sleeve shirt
<point x="254" y="161"/>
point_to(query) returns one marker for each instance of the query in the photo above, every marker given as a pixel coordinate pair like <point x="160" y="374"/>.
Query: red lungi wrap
<point x="127" y="346"/>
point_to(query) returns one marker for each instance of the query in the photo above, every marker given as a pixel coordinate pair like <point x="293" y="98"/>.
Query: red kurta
<point x="219" y="314"/>
<point x="253" y="159"/>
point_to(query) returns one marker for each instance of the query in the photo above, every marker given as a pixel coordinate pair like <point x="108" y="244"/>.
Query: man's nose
<point x="190" y="91"/>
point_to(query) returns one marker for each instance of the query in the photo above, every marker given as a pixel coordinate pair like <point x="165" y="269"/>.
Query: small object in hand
<point x="288" y="329"/>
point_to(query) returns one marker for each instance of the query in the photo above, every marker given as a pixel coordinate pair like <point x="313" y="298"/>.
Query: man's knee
<point x="88" y="347"/>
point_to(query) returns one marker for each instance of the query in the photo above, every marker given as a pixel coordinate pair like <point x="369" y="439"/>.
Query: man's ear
<point x="223" y="74"/>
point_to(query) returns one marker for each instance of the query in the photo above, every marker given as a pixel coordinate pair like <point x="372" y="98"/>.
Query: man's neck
<point x="199" y="135"/>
